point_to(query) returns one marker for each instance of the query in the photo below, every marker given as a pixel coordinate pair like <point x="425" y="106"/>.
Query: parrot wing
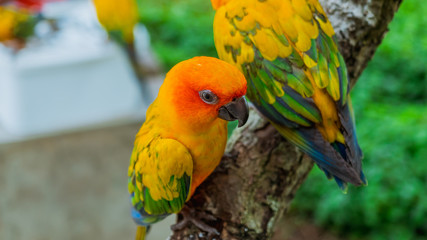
<point x="296" y="76"/>
<point x="160" y="175"/>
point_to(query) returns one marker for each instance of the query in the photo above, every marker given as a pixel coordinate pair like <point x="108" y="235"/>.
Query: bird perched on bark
<point x="296" y="76"/>
<point x="183" y="138"/>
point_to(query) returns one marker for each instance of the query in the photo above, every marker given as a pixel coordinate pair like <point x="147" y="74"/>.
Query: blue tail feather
<point x="342" y="185"/>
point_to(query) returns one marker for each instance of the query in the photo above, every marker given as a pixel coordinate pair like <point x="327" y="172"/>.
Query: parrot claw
<point x="189" y="216"/>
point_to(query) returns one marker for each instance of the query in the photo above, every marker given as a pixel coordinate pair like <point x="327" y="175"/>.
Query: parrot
<point x="119" y="20"/>
<point x="296" y="77"/>
<point x="16" y="26"/>
<point x="18" y="19"/>
<point x="183" y="138"/>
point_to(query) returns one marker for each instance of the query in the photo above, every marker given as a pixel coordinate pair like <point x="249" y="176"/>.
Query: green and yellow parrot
<point x="18" y="19"/>
<point x="296" y="76"/>
<point x="16" y="25"/>
<point x="183" y="137"/>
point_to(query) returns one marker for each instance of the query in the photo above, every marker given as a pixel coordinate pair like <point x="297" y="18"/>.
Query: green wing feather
<point x="159" y="178"/>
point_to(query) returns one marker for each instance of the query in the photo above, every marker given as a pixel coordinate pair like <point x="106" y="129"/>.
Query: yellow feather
<point x="118" y="17"/>
<point x="230" y="36"/>
<point x="284" y="51"/>
<point x="309" y="62"/>
<point x="246" y="23"/>
<point x="303" y="42"/>
<point x="269" y="96"/>
<point x="247" y="54"/>
<point x="340" y="137"/>
<point x="286" y="11"/>
<point x="278" y="88"/>
<point x="264" y="41"/>
<point x="264" y="14"/>
<point x="301" y="7"/>
<point x="333" y="87"/>
<point x="166" y="158"/>
<point x="317" y="6"/>
<point x="309" y="28"/>
<point x="234" y="8"/>
<point x="131" y="188"/>
<point x="326" y="27"/>
<point x="285" y="20"/>
<point x="326" y="105"/>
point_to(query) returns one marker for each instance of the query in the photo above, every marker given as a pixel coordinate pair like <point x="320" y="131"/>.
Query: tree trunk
<point x="254" y="185"/>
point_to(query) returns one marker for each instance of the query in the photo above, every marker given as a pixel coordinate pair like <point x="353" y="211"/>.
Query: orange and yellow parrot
<point x="183" y="137"/>
<point x="18" y="19"/>
<point x="16" y="25"/>
<point x="296" y="76"/>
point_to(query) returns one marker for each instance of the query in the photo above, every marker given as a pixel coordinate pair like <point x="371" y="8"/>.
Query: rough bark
<point x="257" y="180"/>
<point x="360" y="26"/>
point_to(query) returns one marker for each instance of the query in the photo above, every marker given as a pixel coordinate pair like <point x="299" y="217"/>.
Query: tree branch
<point x="360" y="26"/>
<point x="254" y="185"/>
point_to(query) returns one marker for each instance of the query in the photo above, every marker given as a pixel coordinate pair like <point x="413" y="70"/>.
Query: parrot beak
<point x="235" y="110"/>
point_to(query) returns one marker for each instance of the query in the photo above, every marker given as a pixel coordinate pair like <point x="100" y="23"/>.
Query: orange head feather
<point x="218" y="3"/>
<point x="186" y="84"/>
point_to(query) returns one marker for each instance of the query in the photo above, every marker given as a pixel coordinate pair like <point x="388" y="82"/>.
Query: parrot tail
<point x="140" y="232"/>
<point x="341" y="162"/>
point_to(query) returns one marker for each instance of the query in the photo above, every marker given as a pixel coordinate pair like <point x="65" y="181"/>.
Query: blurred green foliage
<point x="391" y="115"/>
<point x="180" y="29"/>
<point x="390" y="102"/>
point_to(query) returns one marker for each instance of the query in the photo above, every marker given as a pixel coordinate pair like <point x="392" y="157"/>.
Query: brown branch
<point x="253" y="186"/>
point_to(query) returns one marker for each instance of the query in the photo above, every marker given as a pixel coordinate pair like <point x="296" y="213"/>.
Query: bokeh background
<point x="68" y="181"/>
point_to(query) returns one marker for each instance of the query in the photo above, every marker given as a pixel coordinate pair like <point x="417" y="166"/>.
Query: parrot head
<point x="203" y="90"/>
<point x="218" y="3"/>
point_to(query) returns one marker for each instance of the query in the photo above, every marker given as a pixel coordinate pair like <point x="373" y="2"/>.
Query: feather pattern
<point x="296" y="76"/>
<point x="159" y="178"/>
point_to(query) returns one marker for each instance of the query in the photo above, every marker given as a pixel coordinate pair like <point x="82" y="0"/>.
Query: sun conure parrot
<point x="18" y="19"/>
<point x="119" y="19"/>
<point x="16" y="26"/>
<point x="183" y="137"/>
<point x="296" y="76"/>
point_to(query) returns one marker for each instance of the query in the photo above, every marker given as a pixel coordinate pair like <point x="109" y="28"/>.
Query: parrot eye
<point x="208" y="97"/>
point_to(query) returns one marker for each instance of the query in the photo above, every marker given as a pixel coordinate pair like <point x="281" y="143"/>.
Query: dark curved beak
<point x="235" y="110"/>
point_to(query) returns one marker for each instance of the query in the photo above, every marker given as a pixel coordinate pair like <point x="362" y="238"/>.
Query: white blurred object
<point x="70" y="80"/>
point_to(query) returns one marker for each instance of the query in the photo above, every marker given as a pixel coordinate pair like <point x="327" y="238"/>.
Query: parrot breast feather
<point x="159" y="178"/>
